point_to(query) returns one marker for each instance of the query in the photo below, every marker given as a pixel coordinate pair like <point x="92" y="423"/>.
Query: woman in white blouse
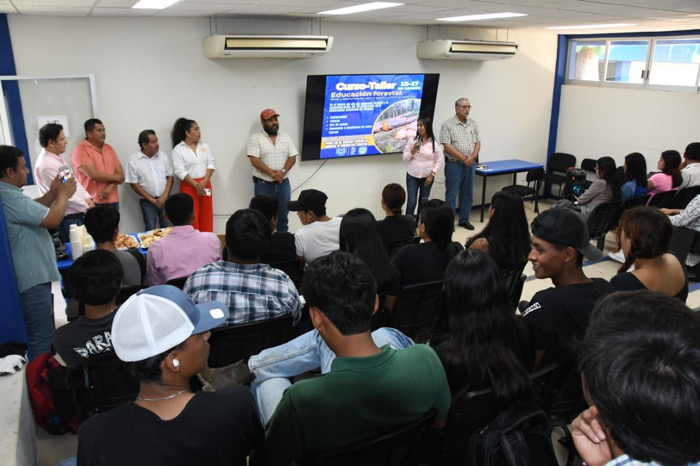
<point x="194" y="165"/>
<point x="425" y="158"/>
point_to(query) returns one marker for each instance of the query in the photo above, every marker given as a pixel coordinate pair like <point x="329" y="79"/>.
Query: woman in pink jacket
<point x="425" y="157"/>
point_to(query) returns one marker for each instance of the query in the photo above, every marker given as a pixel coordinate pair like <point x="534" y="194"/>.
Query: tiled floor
<point x="52" y="449"/>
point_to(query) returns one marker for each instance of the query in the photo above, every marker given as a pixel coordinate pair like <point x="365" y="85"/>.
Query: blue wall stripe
<point x="559" y="75"/>
<point x="11" y="89"/>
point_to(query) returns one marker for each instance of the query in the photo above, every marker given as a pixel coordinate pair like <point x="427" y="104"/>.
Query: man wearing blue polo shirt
<point x="32" y="249"/>
<point x="460" y="138"/>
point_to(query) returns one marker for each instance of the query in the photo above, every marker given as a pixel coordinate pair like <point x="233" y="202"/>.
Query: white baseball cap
<point x="159" y="318"/>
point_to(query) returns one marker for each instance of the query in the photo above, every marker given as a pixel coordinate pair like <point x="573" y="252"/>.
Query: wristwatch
<point x="284" y="172"/>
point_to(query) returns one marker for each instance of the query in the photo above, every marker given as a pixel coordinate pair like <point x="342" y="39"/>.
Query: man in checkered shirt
<point x="252" y="291"/>
<point x="460" y="137"/>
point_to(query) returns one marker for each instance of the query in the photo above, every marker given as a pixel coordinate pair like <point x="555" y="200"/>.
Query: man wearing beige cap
<point x="272" y="155"/>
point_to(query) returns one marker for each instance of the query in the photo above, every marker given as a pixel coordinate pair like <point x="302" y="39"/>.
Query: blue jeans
<point x="283" y="193"/>
<point x="413" y="186"/>
<point x="37" y="306"/>
<point x="151" y="214"/>
<point x="308" y="352"/>
<point x="459" y="177"/>
<point x="64" y="227"/>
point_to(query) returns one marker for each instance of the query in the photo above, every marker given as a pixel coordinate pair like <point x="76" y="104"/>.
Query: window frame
<point x="652" y="38"/>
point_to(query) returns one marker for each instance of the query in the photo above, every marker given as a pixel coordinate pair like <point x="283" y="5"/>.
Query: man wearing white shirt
<point x="150" y="175"/>
<point x="272" y="155"/>
<point x="53" y="142"/>
<point x="690" y="168"/>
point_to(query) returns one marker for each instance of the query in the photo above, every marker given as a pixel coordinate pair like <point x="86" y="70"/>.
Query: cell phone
<point x="65" y="173"/>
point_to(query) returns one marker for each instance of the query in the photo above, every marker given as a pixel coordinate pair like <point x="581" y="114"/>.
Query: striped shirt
<point x="461" y="136"/>
<point x="252" y="292"/>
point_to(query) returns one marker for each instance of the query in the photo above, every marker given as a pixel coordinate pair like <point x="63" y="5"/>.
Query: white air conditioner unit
<point x="236" y="46"/>
<point x="465" y="50"/>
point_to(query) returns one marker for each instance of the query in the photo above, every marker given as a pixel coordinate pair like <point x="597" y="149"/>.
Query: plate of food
<point x="147" y="238"/>
<point x="126" y="242"/>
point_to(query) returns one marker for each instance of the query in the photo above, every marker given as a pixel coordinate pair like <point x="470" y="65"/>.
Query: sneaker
<point x="466" y="225"/>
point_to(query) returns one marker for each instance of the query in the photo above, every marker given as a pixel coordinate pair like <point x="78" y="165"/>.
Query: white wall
<point x="149" y="71"/>
<point x="598" y="121"/>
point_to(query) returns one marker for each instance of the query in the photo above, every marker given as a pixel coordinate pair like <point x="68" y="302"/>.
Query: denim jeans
<point x="151" y="214"/>
<point x="459" y="177"/>
<point x="273" y="366"/>
<point x="283" y="193"/>
<point x="416" y="188"/>
<point x="37" y="306"/>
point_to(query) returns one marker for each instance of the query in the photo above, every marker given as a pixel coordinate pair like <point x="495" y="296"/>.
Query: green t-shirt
<point x="359" y="398"/>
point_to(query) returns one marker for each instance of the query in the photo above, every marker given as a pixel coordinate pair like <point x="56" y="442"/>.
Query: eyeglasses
<point x="468" y="107"/>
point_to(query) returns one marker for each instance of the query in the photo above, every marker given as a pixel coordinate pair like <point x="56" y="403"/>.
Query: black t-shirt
<point x="83" y="338"/>
<point x="396" y="227"/>
<point x="422" y="262"/>
<point x="281" y="249"/>
<point x="559" y="316"/>
<point x="219" y="428"/>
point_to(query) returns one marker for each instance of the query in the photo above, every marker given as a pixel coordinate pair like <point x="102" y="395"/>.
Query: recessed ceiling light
<point x="482" y="17"/>
<point x="592" y="26"/>
<point x="154" y="4"/>
<point x="360" y="8"/>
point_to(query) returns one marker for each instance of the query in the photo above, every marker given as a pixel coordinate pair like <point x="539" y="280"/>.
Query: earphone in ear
<point x="176" y="363"/>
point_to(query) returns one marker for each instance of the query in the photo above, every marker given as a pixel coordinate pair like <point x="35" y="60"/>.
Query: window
<point x="670" y="63"/>
<point x="675" y="62"/>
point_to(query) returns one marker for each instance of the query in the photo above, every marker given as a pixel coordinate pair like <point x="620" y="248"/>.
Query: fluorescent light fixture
<point x="154" y="4"/>
<point x="360" y="8"/>
<point x="482" y="17"/>
<point x="592" y="26"/>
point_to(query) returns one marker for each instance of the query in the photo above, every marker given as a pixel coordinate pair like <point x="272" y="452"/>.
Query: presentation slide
<point x="369" y="114"/>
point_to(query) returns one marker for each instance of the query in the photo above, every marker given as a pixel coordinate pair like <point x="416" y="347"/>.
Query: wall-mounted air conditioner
<point x="448" y="49"/>
<point x="248" y="46"/>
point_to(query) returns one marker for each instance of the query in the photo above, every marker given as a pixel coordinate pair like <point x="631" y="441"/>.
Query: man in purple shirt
<point x="185" y="249"/>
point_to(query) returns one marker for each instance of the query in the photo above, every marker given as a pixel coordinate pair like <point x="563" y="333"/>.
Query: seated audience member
<point x="645" y="236"/>
<point x="395" y="226"/>
<point x="639" y="370"/>
<point x="185" y="249"/>
<point x="251" y="291"/>
<point x="688" y="218"/>
<point x="690" y="168"/>
<point x="96" y="279"/>
<point x="670" y="176"/>
<point x="559" y="315"/>
<point x="390" y="388"/>
<point x="359" y="236"/>
<point x="426" y="261"/>
<point x="102" y="223"/>
<point x="479" y="339"/>
<point x="635" y="176"/>
<point x="281" y="248"/>
<point x="318" y="235"/>
<point x="163" y="338"/>
<point x="605" y="188"/>
<point x="506" y="238"/>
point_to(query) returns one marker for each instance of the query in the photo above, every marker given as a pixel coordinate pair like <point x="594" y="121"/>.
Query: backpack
<point x="50" y="397"/>
<point x="518" y="437"/>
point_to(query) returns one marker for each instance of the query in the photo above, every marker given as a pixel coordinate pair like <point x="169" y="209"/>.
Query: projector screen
<point x="361" y="114"/>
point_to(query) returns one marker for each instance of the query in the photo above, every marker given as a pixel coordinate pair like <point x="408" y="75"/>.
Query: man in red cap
<point x="272" y="155"/>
